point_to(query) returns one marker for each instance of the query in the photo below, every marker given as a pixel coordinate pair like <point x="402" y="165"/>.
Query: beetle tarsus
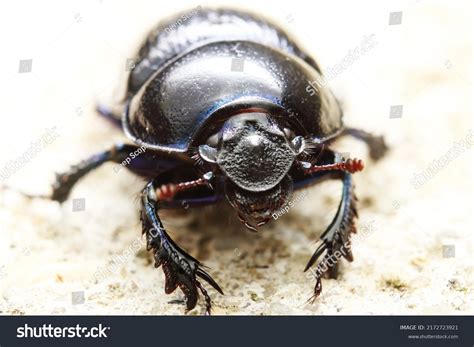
<point x="349" y="165"/>
<point x="207" y="298"/>
<point x="166" y="191"/>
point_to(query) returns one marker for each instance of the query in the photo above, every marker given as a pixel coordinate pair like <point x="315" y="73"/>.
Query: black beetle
<point x="220" y="101"/>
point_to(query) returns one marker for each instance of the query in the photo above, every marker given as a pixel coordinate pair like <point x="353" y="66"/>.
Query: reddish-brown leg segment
<point x="349" y="165"/>
<point x="168" y="191"/>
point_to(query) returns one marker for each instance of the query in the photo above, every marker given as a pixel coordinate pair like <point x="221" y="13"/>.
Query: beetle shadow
<point x="213" y="231"/>
<point x="208" y="232"/>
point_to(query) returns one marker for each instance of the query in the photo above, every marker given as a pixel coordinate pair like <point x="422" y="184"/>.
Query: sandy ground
<point x="414" y="252"/>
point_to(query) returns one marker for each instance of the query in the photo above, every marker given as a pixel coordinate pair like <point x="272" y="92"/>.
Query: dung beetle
<point x="218" y="100"/>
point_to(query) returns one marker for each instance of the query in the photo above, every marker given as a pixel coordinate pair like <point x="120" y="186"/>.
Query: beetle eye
<point x="208" y="153"/>
<point x="298" y="144"/>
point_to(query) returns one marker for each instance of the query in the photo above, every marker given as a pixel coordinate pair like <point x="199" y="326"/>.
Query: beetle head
<point x="255" y="154"/>
<point x="253" y="151"/>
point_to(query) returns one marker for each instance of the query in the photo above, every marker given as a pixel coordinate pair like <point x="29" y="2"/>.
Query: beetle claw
<point x="177" y="275"/>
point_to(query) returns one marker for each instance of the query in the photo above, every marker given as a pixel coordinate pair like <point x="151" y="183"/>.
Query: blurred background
<point x="413" y="85"/>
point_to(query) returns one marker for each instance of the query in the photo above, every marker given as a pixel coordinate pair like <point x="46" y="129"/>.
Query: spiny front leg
<point x="335" y="241"/>
<point x="180" y="269"/>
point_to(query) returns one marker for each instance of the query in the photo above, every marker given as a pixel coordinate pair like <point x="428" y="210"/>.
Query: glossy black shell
<point x="183" y="84"/>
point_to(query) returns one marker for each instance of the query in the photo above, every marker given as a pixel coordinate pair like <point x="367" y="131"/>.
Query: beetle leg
<point x="349" y="165"/>
<point x="108" y="114"/>
<point x="66" y="181"/>
<point x="377" y="146"/>
<point x="168" y="191"/>
<point x="335" y="241"/>
<point x="180" y="268"/>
